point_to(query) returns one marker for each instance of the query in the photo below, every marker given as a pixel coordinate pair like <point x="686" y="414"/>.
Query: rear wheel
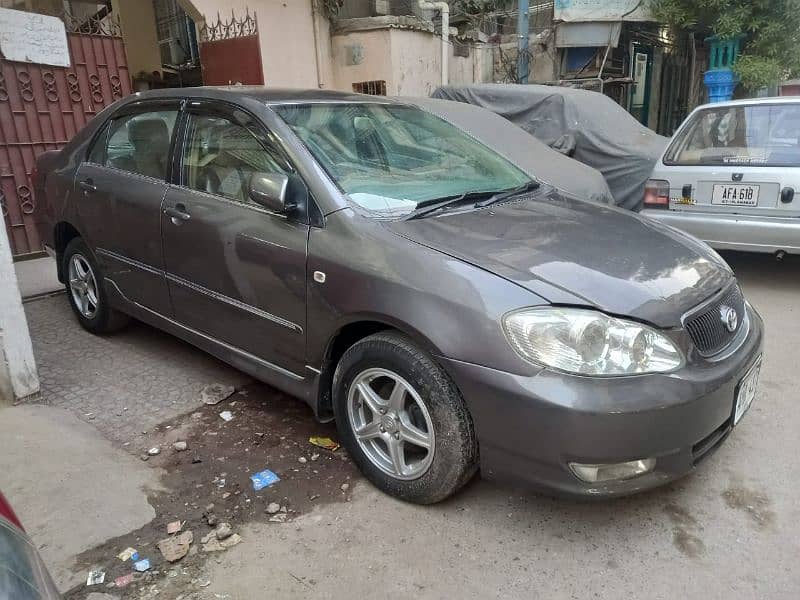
<point x="403" y="420"/>
<point x="86" y="293"/>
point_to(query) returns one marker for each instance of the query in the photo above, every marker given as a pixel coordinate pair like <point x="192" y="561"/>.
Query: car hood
<point x="574" y="252"/>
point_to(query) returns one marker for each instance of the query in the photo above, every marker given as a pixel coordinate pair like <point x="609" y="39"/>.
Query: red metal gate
<point x="42" y="107"/>
<point x="230" y="51"/>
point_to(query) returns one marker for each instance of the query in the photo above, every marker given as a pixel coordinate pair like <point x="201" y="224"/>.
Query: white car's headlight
<point x="588" y="342"/>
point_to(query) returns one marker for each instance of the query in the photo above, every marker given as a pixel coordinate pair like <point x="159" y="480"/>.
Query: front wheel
<point x="86" y="293"/>
<point x="403" y="420"/>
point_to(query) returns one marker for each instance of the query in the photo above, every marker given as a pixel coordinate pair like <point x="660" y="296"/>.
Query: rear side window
<point x="139" y="143"/>
<point x="756" y="135"/>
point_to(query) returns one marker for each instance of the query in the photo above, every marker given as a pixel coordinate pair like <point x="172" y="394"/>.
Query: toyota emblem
<point x="729" y="318"/>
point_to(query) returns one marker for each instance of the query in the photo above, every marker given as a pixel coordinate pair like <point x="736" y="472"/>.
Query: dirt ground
<point x="212" y="476"/>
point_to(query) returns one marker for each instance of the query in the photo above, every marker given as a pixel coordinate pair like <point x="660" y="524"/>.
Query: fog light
<point x="614" y="471"/>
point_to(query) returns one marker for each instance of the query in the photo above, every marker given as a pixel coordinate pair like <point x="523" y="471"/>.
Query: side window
<point x="98" y="151"/>
<point x="139" y="143"/>
<point x="221" y="154"/>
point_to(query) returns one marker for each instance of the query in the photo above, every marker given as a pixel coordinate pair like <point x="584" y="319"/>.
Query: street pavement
<point x="730" y="530"/>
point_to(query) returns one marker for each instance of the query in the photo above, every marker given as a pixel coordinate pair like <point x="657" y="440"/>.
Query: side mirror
<point x="270" y="190"/>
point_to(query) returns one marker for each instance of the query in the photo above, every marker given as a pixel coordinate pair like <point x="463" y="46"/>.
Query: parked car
<point x="587" y="126"/>
<point x="730" y="174"/>
<point x="445" y="308"/>
<point x="23" y="574"/>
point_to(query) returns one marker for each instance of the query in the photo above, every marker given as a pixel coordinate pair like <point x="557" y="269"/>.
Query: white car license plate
<point x="747" y="391"/>
<point x="735" y="194"/>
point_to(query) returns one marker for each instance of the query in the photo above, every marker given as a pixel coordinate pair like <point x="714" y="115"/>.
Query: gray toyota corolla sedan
<point x="447" y="310"/>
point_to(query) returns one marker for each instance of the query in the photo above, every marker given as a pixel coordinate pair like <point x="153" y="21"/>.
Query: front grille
<point x="708" y="329"/>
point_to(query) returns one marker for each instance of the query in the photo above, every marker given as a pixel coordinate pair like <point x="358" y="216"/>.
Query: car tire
<point x="86" y="293"/>
<point x="427" y="408"/>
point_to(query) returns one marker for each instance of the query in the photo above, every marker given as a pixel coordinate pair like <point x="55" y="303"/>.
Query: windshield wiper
<point x="427" y="207"/>
<point x="528" y="186"/>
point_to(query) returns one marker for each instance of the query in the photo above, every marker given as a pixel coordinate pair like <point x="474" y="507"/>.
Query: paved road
<point x="732" y="530"/>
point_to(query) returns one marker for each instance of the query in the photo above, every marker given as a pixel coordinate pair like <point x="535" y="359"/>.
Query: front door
<point x="235" y="271"/>
<point x="119" y="189"/>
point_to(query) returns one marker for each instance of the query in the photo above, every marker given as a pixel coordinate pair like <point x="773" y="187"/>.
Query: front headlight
<point x="588" y="342"/>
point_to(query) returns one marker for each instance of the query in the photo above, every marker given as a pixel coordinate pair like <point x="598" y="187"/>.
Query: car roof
<point x="264" y="94"/>
<point x="752" y="101"/>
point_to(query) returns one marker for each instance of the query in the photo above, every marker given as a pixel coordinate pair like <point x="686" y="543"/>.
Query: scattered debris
<point x="220" y="481"/>
<point x="263" y="479"/>
<point x="315" y="456"/>
<point x="154" y="451"/>
<point x="302" y="460"/>
<point x="279" y="518"/>
<point x="223" y="531"/>
<point x="226" y="415"/>
<point x="174" y="527"/>
<point x="145" y="457"/>
<point x="180" y="446"/>
<point x="142" y="565"/>
<point x="126" y="554"/>
<point x="226" y="495"/>
<point x="96" y="577"/>
<point x="175" y="548"/>
<point x="272" y="508"/>
<point x="196" y="460"/>
<point x="211" y="543"/>
<point x="344" y="487"/>
<point x="324" y="442"/>
<point x="123" y="580"/>
<point x="216" y="393"/>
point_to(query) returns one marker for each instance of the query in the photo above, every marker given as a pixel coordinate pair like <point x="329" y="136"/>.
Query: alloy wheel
<point x="391" y="423"/>
<point x="83" y="285"/>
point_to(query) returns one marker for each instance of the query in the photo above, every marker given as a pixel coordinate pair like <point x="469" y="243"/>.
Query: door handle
<point x="87" y="186"/>
<point x="177" y="213"/>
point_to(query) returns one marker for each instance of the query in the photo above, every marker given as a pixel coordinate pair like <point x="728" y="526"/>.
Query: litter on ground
<point x="142" y="565"/>
<point x="126" y="554"/>
<point x="324" y="442"/>
<point x="96" y="577"/>
<point x="263" y="479"/>
<point x="226" y="415"/>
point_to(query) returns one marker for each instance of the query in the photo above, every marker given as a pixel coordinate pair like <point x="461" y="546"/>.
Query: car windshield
<point x="757" y="135"/>
<point x="390" y="158"/>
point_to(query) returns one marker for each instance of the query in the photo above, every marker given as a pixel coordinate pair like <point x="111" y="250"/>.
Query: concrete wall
<point x="18" y="376"/>
<point x="286" y="33"/>
<point x="408" y="60"/>
<point x="138" y="21"/>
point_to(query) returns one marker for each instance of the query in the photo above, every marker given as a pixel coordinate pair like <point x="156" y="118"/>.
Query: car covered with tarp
<point x="587" y="126"/>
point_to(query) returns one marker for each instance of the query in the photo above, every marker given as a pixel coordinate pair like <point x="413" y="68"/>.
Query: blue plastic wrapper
<point x="142" y="565"/>
<point x="263" y="479"/>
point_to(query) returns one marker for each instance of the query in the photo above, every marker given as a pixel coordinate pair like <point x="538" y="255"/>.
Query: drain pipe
<point x="444" y="8"/>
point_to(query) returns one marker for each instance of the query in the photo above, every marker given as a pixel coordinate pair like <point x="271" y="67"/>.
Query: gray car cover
<point x="588" y="126"/>
<point x="529" y="154"/>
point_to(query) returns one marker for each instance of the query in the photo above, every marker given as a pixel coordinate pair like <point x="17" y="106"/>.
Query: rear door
<point x="120" y="187"/>
<point x="736" y="159"/>
<point x="236" y="271"/>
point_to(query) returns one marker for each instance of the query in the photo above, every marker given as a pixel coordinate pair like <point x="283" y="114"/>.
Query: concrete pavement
<point x="731" y="530"/>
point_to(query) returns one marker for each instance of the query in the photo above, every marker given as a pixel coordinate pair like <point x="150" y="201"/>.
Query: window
<point x="98" y="151"/>
<point x="221" y="155"/>
<point x="139" y="143"/>
<point x="387" y="157"/>
<point x="373" y="88"/>
<point x="750" y="135"/>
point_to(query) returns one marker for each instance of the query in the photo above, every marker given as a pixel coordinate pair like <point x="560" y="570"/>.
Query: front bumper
<point x="735" y="232"/>
<point x="530" y="428"/>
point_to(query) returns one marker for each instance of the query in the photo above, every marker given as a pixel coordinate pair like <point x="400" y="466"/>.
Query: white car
<point x="731" y="176"/>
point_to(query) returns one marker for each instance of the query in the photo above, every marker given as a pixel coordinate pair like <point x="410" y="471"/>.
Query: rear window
<point x="758" y="135"/>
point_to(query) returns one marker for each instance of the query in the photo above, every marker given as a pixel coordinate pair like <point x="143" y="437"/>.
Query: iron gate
<point x="230" y="51"/>
<point x="42" y="107"/>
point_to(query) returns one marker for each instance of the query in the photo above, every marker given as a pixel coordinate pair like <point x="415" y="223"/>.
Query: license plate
<point x="735" y="194"/>
<point x="746" y="392"/>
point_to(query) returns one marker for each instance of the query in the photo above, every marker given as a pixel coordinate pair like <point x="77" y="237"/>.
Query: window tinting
<point x="139" y="143"/>
<point x="221" y="156"/>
